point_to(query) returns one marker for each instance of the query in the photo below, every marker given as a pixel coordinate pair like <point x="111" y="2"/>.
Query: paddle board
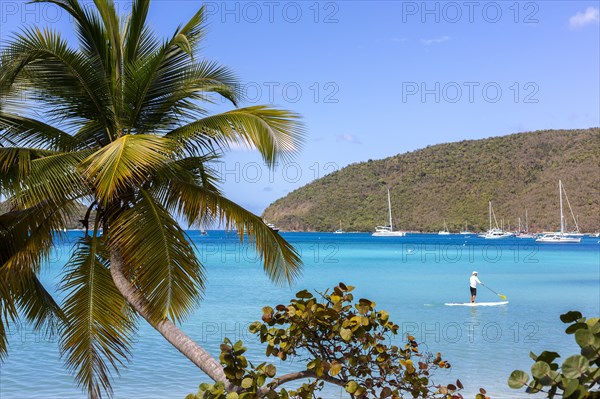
<point x="476" y="303"/>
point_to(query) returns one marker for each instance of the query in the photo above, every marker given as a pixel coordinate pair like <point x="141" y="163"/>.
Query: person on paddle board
<point x="473" y="281"/>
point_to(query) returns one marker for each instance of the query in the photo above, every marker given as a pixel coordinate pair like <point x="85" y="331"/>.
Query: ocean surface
<point x="410" y="277"/>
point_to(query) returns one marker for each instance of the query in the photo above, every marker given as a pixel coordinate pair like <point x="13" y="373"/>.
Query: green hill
<point x="455" y="181"/>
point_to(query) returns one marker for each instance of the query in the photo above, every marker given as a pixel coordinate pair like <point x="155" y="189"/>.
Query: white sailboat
<point x="388" y="231"/>
<point x="340" y="230"/>
<point x="466" y="230"/>
<point x="524" y="231"/>
<point x="576" y="232"/>
<point x="494" y="233"/>
<point x="272" y="227"/>
<point x="444" y="232"/>
<point x="561" y="237"/>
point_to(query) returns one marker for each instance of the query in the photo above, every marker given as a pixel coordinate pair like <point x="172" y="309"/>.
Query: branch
<point x="298" y="376"/>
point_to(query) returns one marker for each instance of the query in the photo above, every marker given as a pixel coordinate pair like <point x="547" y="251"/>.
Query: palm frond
<point x="160" y="258"/>
<point x="15" y="164"/>
<point x="275" y="133"/>
<point x="137" y="36"/>
<point x="164" y="88"/>
<point x="8" y="313"/>
<point x="97" y="335"/>
<point x="36" y="304"/>
<point x="51" y="73"/>
<point x="28" y="234"/>
<point x="195" y="29"/>
<point x="90" y="31"/>
<point x="126" y="162"/>
<point x="281" y="261"/>
<point x="29" y="132"/>
<point x="53" y="178"/>
<point x="26" y="238"/>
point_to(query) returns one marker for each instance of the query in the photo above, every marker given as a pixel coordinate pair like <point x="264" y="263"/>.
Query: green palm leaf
<point x="160" y="258"/>
<point x="275" y="133"/>
<point x="281" y="261"/>
<point x="26" y="239"/>
<point x="72" y="83"/>
<point x="126" y="162"/>
<point x="97" y="336"/>
<point x="30" y="132"/>
<point x="28" y="234"/>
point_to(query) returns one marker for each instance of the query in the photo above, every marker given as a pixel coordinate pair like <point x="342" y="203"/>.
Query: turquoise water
<point x="411" y="277"/>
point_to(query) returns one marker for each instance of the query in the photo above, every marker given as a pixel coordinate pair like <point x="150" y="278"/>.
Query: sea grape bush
<point x="578" y="377"/>
<point x="340" y="341"/>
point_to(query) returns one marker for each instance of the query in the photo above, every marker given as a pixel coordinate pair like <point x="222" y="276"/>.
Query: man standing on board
<point x="473" y="281"/>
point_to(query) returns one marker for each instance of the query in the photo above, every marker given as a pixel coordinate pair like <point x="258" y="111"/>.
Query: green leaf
<point x="570" y="386"/>
<point x="540" y="369"/>
<point x="304" y="294"/>
<point x="574" y="366"/>
<point x="584" y="338"/>
<point x="593" y="324"/>
<point x="126" y="162"/>
<point x="157" y="251"/>
<point x="336" y="367"/>
<point x="518" y="379"/>
<point x="574" y="327"/>
<point x="351" y="387"/>
<point x="384" y="315"/>
<point x="270" y="370"/>
<point x="570" y="317"/>
<point x="346" y="334"/>
<point x="182" y="42"/>
<point x="547" y="356"/>
<point x="98" y="334"/>
<point x="247" y="382"/>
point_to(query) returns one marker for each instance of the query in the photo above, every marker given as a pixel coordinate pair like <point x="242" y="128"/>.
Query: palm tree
<point x="119" y="124"/>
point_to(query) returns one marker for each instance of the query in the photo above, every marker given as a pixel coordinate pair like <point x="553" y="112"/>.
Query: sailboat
<point x="444" y="232"/>
<point x="524" y="231"/>
<point x="576" y="232"/>
<point x="494" y="233"/>
<point x="272" y="227"/>
<point x="466" y="230"/>
<point x="340" y="230"/>
<point x="388" y="231"/>
<point x="561" y="237"/>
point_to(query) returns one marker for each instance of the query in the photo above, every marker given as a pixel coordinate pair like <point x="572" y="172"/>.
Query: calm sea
<point x="410" y="277"/>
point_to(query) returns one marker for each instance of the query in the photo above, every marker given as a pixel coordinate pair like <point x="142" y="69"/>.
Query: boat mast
<point x="562" y="219"/>
<point x="571" y="210"/>
<point x="490" y="212"/>
<point x="390" y="210"/>
<point x="526" y="222"/>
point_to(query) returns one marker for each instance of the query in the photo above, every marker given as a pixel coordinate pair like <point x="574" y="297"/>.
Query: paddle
<point x="503" y="297"/>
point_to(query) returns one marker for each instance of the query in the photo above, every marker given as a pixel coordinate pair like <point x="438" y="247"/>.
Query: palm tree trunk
<point x="173" y="334"/>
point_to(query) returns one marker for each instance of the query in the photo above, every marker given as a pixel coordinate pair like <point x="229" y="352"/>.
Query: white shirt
<point x="474" y="281"/>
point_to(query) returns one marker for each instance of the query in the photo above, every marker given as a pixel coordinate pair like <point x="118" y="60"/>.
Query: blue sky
<point x="374" y="79"/>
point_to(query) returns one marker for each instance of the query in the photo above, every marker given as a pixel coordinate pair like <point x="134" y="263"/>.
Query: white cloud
<point x="437" y="40"/>
<point x="348" y="138"/>
<point x="581" y="19"/>
<point x="399" y="39"/>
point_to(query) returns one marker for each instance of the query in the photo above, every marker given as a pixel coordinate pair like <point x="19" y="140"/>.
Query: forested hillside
<point x="455" y="181"/>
